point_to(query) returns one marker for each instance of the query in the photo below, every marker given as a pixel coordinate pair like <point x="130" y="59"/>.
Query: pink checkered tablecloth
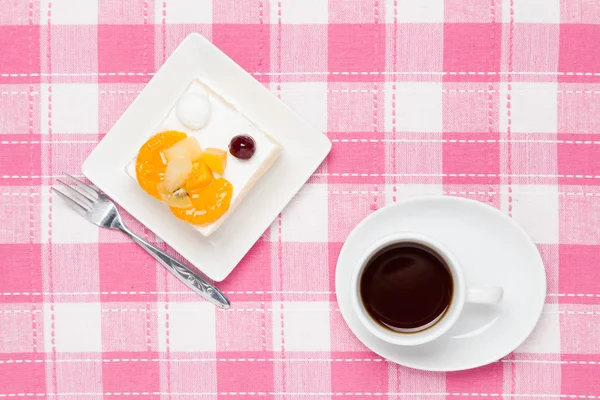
<point x="494" y="100"/>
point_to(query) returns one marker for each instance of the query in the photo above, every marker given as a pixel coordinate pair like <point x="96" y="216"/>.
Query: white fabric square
<point x="67" y="225"/>
<point x="411" y="11"/>
<point x="184" y="11"/>
<point x="192" y="326"/>
<point x="300" y="12"/>
<point x="305" y="218"/>
<point x="75" y="327"/>
<point x="69" y="12"/>
<point x="71" y="108"/>
<point x="533" y="107"/>
<point x="305" y="326"/>
<point x="545" y="338"/>
<point x="417" y="106"/>
<point x="308" y="99"/>
<point x="532" y="11"/>
<point x="535" y="208"/>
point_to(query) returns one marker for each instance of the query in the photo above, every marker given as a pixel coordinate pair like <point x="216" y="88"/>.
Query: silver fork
<point x="88" y="201"/>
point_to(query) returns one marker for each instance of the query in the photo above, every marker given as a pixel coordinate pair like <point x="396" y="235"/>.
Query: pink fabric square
<point x="22" y="377"/>
<point x="472" y="11"/>
<point x="357" y="11"/>
<point x="257" y="323"/>
<point x="299" y="376"/>
<point x="414" y="47"/>
<point x="579" y="12"/>
<point x="125" y="53"/>
<point x="131" y="376"/>
<point x="432" y="385"/>
<point x="234" y="376"/>
<point x="248" y="45"/>
<point x="252" y="275"/>
<point x="355" y="107"/>
<point x="80" y="376"/>
<point x="342" y="338"/>
<point x="20" y="221"/>
<point x="126" y="272"/>
<point x="533" y="157"/>
<point x="579" y="213"/>
<point x="19" y="103"/>
<point x="579" y="272"/>
<point x="74" y="42"/>
<point x="579" y="52"/>
<point x="416" y="160"/>
<point x="471" y="107"/>
<point x="578" y="108"/>
<point x="117" y="12"/>
<point x="581" y="377"/>
<point x="290" y="55"/>
<point x="484" y="380"/>
<point x="69" y="152"/>
<point x="113" y="100"/>
<point x="307" y="267"/>
<point x="357" y="49"/>
<point x="578" y="164"/>
<point x="356" y="162"/>
<point x="175" y="375"/>
<point x="350" y="205"/>
<point x="20" y="49"/>
<point x="22" y="327"/>
<point x="534" y="374"/>
<point x="535" y="48"/>
<point x="471" y="158"/>
<point x="578" y="327"/>
<point x="357" y="376"/>
<point x="22" y="13"/>
<point x="472" y="51"/>
<point x="24" y="261"/>
<point x="75" y="269"/>
<point x="129" y="326"/>
<point x="21" y="161"/>
<point x="241" y="12"/>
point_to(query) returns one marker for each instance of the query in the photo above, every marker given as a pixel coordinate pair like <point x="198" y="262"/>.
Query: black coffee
<point x="406" y="286"/>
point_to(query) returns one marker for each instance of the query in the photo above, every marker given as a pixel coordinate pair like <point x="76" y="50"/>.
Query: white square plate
<point x="304" y="148"/>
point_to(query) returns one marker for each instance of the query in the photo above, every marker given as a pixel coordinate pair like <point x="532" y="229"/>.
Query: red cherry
<point x="242" y="147"/>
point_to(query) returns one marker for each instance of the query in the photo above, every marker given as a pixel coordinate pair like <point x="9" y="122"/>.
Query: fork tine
<point x="89" y="189"/>
<point x="78" y="189"/>
<point x="75" y="196"/>
<point x="70" y="202"/>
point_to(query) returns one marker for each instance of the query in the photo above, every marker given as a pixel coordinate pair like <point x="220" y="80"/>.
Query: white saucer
<point x="492" y="249"/>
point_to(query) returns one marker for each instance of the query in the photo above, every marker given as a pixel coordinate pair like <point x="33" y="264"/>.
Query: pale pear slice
<point x="186" y="148"/>
<point x="177" y="172"/>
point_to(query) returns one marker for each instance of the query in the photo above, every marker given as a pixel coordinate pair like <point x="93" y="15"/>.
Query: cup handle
<point x="485" y="295"/>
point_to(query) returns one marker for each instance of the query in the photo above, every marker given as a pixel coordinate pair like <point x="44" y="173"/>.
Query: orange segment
<point x="150" y="164"/>
<point x="209" y="203"/>
<point x="216" y="159"/>
<point x="200" y="177"/>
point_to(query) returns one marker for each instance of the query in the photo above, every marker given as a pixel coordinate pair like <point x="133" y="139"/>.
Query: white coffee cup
<point x="461" y="293"/>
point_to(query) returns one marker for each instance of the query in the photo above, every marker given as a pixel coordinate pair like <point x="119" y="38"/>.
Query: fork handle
<point x="186" y="275"/>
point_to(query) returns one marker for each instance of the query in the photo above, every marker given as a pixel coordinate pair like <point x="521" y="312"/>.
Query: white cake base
<point x="225" y="123"/>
